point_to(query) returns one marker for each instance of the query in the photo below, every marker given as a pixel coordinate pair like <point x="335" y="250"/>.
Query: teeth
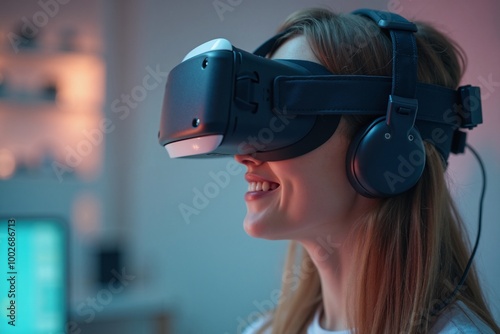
<point x="265" y="186"/>
<point x="262" y="186"/>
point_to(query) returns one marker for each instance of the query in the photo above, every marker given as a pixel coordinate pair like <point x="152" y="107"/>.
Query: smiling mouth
<point x="262" y="186"/>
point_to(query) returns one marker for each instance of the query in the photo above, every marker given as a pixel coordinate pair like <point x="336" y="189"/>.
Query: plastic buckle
<point x="471" y="111"/>
<point x="387" y="20"/>
<point x="396" y="25"/>
<point x="401" y="106"/>
<point x="458" y="142"/>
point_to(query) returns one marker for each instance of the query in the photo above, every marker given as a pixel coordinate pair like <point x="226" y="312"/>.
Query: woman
<point x="370" y="265"/>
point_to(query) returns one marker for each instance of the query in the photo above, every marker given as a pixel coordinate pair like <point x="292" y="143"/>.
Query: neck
<point x="333" y="264"/>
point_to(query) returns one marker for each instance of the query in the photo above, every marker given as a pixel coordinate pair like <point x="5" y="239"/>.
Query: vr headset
<point x="221" y="100"/>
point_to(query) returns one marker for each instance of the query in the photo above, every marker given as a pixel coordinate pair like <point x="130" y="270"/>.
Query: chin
<point x="255" y="229"/>
<point x="262" y="229"/>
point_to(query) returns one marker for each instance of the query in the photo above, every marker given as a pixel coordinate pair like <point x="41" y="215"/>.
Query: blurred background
<point x="153" y="245"/>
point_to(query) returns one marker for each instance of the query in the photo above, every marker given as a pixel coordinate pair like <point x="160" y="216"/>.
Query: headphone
<point x="392" y="140"/>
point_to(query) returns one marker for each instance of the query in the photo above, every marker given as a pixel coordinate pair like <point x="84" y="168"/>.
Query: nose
<point x="247" y="160"/>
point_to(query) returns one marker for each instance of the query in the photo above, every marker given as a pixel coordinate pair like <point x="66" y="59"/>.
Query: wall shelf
<point x="51" y="108"/>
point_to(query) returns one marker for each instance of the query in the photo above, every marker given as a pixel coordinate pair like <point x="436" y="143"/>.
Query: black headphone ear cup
<point x="382" y="162"/>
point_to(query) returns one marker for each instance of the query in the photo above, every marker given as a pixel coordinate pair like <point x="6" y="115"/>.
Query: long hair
<point x="411" y="250"/>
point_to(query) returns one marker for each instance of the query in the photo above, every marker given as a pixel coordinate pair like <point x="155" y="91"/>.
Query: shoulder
<point x="257" y="325"/>
<point x="460" y="319"/>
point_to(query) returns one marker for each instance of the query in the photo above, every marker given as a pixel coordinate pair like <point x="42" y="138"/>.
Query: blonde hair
<point x="417" y="237"/>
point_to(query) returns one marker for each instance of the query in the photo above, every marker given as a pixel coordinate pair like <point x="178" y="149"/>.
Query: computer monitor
<point x="33" y="275"/>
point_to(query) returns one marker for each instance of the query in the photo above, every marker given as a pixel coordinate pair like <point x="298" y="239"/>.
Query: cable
<point x="479" y="226"/>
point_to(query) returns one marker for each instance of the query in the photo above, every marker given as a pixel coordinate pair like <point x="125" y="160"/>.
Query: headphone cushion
<point x="384" y="163"/>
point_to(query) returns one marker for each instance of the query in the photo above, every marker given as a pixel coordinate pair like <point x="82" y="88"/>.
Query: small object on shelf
<point x="68" y="40"/>
<point x="26" y="36"/>
<point x="109" y="260"/>
<point x="49" y="92"/>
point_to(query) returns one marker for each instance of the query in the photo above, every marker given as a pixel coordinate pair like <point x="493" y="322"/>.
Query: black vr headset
<point x="225" y="101"/>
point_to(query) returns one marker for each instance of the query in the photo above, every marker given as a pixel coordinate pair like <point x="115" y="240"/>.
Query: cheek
<point x="320" y="196"/>
<point x="308" y="199"/>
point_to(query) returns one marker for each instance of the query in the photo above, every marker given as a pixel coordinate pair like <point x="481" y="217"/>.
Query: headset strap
<point x="363" y="95"/>
<point x="268" y="46"/>
<point x="439" y="107"/>
<point x="402" y="105"/>
<point x="333" y="94"/>
<point x="404" y="50"/>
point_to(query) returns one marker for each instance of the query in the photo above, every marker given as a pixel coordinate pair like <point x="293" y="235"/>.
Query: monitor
<point x="33" y="275"/>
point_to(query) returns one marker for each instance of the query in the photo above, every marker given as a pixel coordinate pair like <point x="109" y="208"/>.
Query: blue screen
<point x="33" y="278"/>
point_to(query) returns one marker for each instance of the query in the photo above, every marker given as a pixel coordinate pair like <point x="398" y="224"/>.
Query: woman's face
<point x="305" y="197"/>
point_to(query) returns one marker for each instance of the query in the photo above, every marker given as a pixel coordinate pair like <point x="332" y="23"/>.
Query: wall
<point x="81" y="200"/>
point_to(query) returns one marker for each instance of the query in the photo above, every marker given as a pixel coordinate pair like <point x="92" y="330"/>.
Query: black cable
<point x="479" y="226"/>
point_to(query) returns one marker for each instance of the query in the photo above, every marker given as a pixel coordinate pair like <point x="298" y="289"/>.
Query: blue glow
<point x="38" y="271"/>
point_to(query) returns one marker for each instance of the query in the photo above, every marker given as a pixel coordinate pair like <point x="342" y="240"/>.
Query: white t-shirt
<point x="457" y="319"/>
<point x="313" y="328"/>
<point x="460" y="319"/>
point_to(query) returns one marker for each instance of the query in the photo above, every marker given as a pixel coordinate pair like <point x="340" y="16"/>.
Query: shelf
<point x="51" y="106"/>
<point x="77" y="78"/>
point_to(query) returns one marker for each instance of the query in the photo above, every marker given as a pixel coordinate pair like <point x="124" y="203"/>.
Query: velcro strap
<point x="359" y="94"/>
